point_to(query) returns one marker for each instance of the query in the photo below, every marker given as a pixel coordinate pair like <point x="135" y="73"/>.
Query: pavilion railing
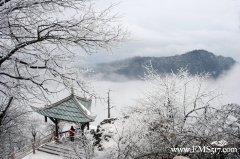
<point x="64" y="134"/>
<point x="27" y="149"/>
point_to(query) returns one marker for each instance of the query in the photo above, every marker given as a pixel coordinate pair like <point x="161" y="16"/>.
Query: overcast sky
<point x="169" y="27"/>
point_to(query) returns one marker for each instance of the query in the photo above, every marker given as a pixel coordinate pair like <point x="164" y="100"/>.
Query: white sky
<point x="169" y="27"/>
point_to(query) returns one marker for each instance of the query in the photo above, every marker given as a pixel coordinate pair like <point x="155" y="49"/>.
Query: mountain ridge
<point x="196" y="62"/>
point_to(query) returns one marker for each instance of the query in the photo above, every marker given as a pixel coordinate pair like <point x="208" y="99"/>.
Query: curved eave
<point x="64" y="117"/>
<point x="81" y="114"/>
<point x="83" y="110"/>
<point x="35" y="109"/>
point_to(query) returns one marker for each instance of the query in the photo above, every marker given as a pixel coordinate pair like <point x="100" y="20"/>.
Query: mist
<point x="125" y="94"/>
<point x="229" y="83"/>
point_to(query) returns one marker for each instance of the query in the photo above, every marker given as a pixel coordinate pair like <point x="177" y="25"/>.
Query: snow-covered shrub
<point x="13" y="130"/>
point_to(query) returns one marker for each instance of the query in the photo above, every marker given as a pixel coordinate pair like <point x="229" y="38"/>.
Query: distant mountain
<point x="196" y="61"/>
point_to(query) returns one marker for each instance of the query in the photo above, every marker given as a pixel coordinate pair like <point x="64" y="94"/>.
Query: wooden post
<point x="55" y="121"/>
<point x="108" y="101"/>
<point x="88" y="126"/>
<point x="56" y="128"/>
<point x="83" y="126"/>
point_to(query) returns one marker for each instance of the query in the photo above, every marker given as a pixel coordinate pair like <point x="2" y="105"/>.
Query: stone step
<point x="56" y="149"/>
<point x="60" y="148"/>
<point x="49" y="151"/>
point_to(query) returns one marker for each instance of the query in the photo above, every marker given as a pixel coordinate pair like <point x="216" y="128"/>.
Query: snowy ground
<point x="42" y="155"/>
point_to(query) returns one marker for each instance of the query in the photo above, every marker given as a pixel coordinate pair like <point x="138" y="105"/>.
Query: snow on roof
<point x="86" y="111"/>
<point x="69" y="109"/>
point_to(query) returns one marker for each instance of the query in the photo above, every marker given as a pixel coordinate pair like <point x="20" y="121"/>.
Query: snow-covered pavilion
<point x="71" y="109"/>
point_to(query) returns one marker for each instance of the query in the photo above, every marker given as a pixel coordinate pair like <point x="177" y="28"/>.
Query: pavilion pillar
<point x="55" y="121"/>
<point x="82" y="126"/>
<point x="56" y="128"/>
<point x="88" y="126"/>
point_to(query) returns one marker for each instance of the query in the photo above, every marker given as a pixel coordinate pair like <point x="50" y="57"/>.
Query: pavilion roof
<point x="71" y="108"/>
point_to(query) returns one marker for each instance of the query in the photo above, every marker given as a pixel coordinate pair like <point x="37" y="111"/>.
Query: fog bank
<point x="124" y="94"/>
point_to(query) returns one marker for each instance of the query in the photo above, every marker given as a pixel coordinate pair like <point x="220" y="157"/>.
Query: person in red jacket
<point x="72" y="133"/>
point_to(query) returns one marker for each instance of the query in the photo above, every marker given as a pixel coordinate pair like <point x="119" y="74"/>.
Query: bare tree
<point x="38" y="43"/>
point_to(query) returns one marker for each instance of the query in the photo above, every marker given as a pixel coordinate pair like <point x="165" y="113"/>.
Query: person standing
<point x="72" y="133"/>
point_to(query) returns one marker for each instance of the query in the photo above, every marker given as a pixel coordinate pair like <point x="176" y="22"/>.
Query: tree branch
<point x="4" y="111"/>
